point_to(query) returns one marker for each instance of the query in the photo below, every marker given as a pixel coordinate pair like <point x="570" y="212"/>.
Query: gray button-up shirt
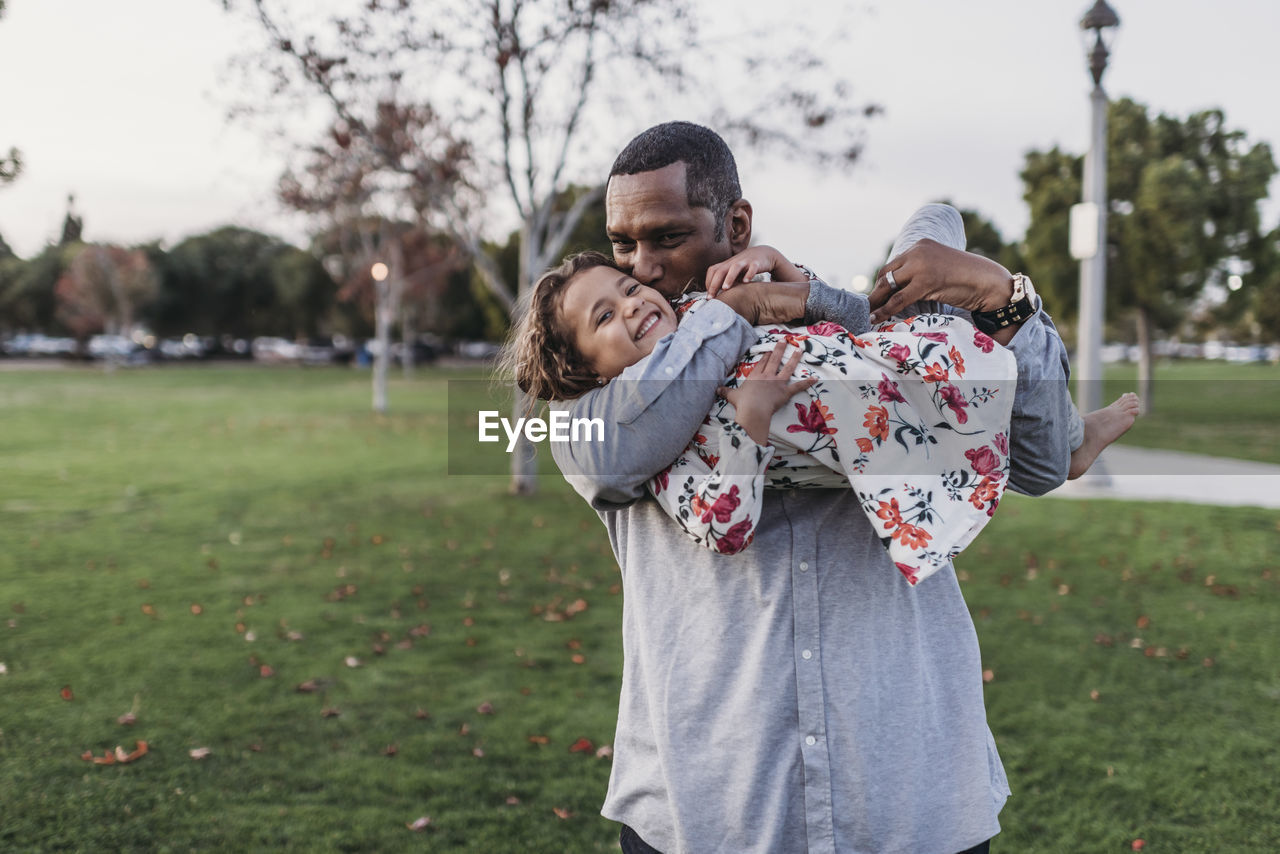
<point x="798" y="696"/>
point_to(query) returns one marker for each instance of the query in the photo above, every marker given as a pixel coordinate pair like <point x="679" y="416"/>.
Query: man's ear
<point x="738" y="225"/>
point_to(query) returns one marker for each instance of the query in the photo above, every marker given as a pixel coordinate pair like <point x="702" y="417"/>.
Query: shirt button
<point x="670" y="371"/>
<point x="804" y="566"/>
<point x="807" y="654"/>
<point x="810" y="740"/>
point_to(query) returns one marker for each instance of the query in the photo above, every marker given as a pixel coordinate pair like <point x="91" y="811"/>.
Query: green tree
<point x="1183" y="197"/>
<point x="240" y="282"/>
<point x="27" y="291"/>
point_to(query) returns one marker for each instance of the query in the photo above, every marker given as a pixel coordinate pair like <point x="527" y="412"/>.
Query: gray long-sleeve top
<point x="798" y="696"/>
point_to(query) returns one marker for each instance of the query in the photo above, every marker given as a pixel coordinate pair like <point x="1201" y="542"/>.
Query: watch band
<point x="1020" y="308"/>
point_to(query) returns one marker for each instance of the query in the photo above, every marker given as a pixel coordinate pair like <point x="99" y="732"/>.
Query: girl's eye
<point x="604" y="317"/>
<point x="631" y="290"/>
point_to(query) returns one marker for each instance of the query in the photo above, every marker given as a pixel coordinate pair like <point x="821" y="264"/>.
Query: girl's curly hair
<point x="540" y="352"/>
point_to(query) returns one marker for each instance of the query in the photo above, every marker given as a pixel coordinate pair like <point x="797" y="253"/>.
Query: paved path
<point x="1146" y="474"/>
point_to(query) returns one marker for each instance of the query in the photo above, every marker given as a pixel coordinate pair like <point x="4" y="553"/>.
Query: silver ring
<point x="888" y="277"/>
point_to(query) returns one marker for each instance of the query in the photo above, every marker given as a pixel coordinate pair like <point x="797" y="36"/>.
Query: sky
<point x="124" y="103"/>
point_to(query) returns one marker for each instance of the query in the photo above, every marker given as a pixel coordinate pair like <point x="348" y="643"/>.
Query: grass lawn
<point x="1204" y="407"/>
<point x="246" y="560"/>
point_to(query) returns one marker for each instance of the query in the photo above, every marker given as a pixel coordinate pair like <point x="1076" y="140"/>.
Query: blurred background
<point x="192" y="178"/>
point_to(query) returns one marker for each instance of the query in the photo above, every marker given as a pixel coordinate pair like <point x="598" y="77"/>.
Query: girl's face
<point x="614" y="320"/>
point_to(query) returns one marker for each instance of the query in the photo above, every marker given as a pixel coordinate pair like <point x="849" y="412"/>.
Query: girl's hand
<point x="765" y="390"/>
<point x="748" y="264"/>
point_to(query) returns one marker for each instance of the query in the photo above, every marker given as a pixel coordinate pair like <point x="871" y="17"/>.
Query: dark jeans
<point x="633" y="844"/>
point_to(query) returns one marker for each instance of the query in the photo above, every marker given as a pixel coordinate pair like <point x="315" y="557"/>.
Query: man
<point x="800" y="696"/>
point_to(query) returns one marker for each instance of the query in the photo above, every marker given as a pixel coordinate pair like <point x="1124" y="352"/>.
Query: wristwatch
<point x="1020" y="308"/>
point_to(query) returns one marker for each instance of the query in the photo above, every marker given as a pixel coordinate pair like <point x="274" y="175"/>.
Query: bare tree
<point x="523" y="81"/>
<point x="102" y="288"/>
<point x="362" y="206"/>
<point x="11" y="163"/>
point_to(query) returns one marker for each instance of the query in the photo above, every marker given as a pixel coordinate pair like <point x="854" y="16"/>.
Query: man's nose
<point x="646" y="268"/>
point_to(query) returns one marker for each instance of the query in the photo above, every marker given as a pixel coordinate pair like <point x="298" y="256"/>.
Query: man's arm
<point x="654" y="408"/>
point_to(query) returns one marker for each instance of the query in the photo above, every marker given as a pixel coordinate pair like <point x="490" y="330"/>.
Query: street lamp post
<point x="1093" y="217"/>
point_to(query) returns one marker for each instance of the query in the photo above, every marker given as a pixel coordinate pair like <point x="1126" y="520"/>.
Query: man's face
<point x="657" y="237"/>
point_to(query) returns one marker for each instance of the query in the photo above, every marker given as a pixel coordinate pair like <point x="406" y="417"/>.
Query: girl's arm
<point x="716" y="498"/>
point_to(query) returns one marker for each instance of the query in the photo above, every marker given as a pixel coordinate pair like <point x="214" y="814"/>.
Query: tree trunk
<point x="1146" y="364"/>
<point x="382" y="317"/>
<point x="524" y="466"/>
<point x="407" y="336"/>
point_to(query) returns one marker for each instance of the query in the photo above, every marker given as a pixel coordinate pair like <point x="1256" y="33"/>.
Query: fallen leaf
<point x="512" y="800"/>
<point x="578" y="658"/>
<point x="308" y="687"/>
<point x="562" y="812"/>
<point x="3" y="669"/>
<point x="1138" y="844"/>
<point x="199" y="752"/>
<point x="1144" y="621"/>
<point x="66" y="693"/>
<point x="575" y="607"/>
<point x="485" y="708"/>
<point x="477" y="752"/>
<point x="149" y="609"/>
<point x="573" y="643"/>
<point x="330" y="712"/>
<point x="421" y="630"/>
<point x="419" y="824"/>
<point x="351" y="661"/>
<point x="988" y="675"/>
<point x="196" y="609"/>
<point x="294" y="636"/>
<point x="391" y="750"/>
<point x="1094" y="695"/>
<point x="582" y="745"/>
<point x="604" y="751"/>
<point x="421" y="714"/>
<point x="127" y="719"/>
<point x="266" y="671"/>
<point x="117" y="756"/>
<point x="538" y="739"/>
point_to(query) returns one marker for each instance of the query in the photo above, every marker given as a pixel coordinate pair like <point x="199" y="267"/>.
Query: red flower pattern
<point x="813" y="419"/>
<point x="954" y="399"/>
<point x="983" y="460"/>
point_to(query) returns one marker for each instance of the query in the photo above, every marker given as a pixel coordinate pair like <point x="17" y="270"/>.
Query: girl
<point x="913" y="416"/>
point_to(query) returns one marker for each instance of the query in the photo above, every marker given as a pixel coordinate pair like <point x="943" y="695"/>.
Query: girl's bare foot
<point x="1101" y="428"/>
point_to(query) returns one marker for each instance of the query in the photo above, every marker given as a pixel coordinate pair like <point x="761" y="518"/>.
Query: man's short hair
<point x="711" y="175"/>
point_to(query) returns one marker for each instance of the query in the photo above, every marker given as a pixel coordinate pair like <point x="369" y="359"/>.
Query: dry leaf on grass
<point x="199" y="753"/>
<point x="116" y="757"/>
<point x="419" y="824"/>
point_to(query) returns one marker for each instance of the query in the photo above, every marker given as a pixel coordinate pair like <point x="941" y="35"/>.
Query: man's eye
<point x="674" y="237"/>
<point x="620" y="245"/>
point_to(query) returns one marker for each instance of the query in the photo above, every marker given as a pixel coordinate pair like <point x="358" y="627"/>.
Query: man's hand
<point x="765" y="390"/>
<point x="748" y="264"/>
<point x="931" y="271"/>
<point x="768" y="302"/>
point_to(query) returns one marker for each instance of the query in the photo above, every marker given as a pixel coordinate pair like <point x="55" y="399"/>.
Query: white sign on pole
<point x="1084" y="230"/>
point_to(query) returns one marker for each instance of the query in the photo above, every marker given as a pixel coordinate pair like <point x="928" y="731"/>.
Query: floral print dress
<point x="913" y="416"/>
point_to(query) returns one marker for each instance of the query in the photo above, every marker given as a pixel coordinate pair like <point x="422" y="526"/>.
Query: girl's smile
<point x="614" y="320"/>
